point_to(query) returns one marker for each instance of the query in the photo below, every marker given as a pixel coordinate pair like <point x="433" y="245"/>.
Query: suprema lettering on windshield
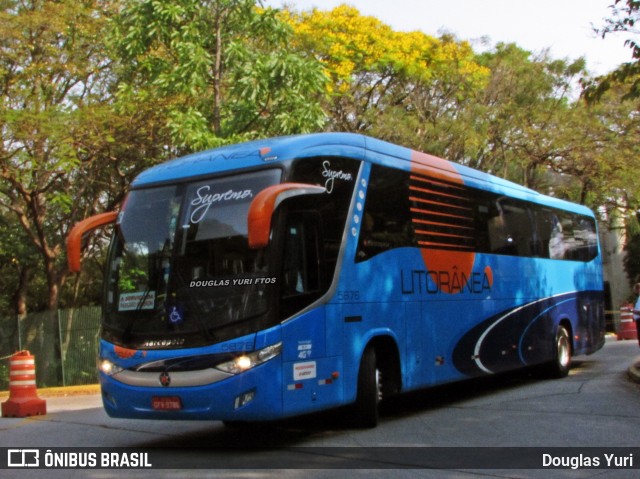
<point x="204" y="200"/>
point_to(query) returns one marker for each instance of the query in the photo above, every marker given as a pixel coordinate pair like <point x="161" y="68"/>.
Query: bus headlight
<point x="248" y="361"/>
<point x="109" y="368"/>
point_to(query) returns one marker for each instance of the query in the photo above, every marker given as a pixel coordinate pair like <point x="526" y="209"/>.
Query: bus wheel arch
<point x="388" y="364"/>
<point x="379" y="376"/>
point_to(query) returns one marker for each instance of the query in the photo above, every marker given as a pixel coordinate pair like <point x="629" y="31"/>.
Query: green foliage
<point x="50" y="75"/>
<point x="218" y="71"/>
<point x="625" y="15"/>
<point x="19" y="262"/>
<point x="632" y="249"/>
<point x="526" y="108"/>
<point x="66" y="153"/>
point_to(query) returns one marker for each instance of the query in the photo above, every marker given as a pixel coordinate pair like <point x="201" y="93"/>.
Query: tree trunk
<point x="20" y="294"/>
<point x="54" y="283"/>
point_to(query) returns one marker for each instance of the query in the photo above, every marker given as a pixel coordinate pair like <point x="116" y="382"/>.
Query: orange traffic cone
<point x="23" y="397"/>
<point x="627" y="327"/>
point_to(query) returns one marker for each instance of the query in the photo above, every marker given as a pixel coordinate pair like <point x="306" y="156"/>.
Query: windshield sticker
<point x="137" y="301"/>
<point x="304" y="370"/>
<point x="176" y="315"/>
<point x="204" y="199"/>
<point x="305" y="349"/>
<point x="333" y="175"/>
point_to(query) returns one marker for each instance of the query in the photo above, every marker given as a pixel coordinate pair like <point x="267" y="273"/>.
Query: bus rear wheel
<point x="561" y="364"/>
<point x="369" y="393"/>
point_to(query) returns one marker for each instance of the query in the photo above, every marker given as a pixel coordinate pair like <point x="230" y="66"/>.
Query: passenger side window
<point x="511" y="229"/>
<point x="386" y="222"/>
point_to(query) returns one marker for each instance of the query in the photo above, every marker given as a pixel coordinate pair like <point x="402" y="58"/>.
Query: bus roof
<point x="253" y="154"/>
<point x="275" y="150"/>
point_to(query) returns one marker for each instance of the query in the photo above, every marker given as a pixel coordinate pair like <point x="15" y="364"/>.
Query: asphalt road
<point x="596" y="406"/>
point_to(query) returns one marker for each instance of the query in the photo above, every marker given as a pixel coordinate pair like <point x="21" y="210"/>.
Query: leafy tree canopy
<point x="372" y="68"/>
<point x="218" y="71"/>
<point x="625" y="15"/>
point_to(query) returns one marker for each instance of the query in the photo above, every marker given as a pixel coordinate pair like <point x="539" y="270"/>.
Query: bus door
<point x="311" y="376"/>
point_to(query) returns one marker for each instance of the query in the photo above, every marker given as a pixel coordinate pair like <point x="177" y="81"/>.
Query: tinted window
<point x="511" y="229"/>
<point x="386" y="222"/>
<point x="180" y="265"/>
<point x="409" y="209"/>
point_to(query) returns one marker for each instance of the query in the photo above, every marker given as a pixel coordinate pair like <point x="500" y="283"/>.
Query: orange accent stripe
<point x="446" y="215"/>
<point x="433" y="192"/>
<point x="448" y="205"/>
<point x="448" y="235"/>
<point x="434" y="167"/>
<point x="435" y="223"/>
<point x="429" y="243"/>
<point x="429" y="179"/>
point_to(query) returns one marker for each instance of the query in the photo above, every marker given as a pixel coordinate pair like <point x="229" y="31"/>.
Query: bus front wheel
<point x="365" y="409"/>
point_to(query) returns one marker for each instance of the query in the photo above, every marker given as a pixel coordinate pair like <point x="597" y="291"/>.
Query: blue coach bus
<point x="290" y="275"/>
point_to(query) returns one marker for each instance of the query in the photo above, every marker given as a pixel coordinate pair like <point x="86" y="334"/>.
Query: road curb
<point x="62" y="391"/>
<point x="634" y="372"/>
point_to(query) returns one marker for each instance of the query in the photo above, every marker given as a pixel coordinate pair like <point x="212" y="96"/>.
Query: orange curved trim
<point x="434" y="168"/>
<point x="264" y="204"/>
<point x="74" y="239"/>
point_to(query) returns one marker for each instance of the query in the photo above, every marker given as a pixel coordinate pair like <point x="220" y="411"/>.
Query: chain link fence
<point x="64" y="343"/>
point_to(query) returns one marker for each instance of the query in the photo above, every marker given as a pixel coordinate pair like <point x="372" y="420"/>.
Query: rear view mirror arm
<point x="265" y="203"/>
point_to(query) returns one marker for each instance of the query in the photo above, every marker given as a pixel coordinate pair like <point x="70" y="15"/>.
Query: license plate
<point x="166" y="403"/>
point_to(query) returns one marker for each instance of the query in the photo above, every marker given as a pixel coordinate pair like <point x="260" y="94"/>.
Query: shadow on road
<point x="297" y="431"/>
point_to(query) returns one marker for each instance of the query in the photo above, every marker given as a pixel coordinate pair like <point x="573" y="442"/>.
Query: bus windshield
<point x="180" y="268"/>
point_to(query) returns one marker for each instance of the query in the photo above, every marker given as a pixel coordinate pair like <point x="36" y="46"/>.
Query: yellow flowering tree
<point x="373" y="69"/>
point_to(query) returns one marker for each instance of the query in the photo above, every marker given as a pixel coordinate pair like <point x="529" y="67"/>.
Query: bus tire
<point x="561" y="364"/>
<point x="365" y="409"/>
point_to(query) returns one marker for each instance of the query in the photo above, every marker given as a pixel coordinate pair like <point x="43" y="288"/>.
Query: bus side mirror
<point x="265" y="203"/>
<point x="74" y="240"/>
